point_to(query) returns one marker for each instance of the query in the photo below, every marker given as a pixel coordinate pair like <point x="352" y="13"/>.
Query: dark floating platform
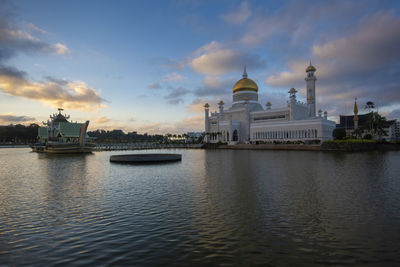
<point x="145" y="158"/>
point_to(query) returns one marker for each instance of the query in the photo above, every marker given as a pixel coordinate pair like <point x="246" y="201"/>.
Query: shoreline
<point x="14" y="146"/>
<point x="344" y="147"/>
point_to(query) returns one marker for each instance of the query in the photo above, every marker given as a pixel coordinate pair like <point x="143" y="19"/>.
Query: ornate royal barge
<point x="58" y="135"/>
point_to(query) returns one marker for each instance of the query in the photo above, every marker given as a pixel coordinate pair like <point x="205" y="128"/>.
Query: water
<point x="219" y="207"/>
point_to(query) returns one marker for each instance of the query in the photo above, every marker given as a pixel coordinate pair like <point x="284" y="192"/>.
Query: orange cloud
<point x="56" y="93"/>
<point x="102" y="120"/>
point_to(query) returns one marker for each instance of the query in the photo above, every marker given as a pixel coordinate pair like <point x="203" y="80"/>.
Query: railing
<point x="141" y="146"/>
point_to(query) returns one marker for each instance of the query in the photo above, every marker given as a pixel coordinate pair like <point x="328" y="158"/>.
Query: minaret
<point x="221" y="114"/>
<point x="206" y="110"/>
<point x="310" y="81"/>
<point x="355" y="114"/>
<point x="221" y="107"/>
<point x="292" y="102"/>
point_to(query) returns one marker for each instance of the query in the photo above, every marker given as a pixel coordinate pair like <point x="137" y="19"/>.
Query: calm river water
<point x="219" y="207"/>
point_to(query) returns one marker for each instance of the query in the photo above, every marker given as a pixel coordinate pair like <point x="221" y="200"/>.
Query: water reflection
<point x="215" y="207"/>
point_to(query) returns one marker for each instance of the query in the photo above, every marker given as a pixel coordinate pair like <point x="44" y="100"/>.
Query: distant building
<point x="397" y="130"/>
<point x="247" y="121"/>
<point x="352" y="122"/>
<point x="176" y="138"/>
<point x="193" y="136"/>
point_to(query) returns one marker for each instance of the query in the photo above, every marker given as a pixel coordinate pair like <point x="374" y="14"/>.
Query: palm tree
<point x="369" y="105"/>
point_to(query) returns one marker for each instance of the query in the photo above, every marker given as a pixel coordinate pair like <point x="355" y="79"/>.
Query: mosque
<point x="246" y="121"/>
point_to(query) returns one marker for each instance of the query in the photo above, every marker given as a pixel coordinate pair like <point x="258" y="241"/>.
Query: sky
<point x="150" y="66"/>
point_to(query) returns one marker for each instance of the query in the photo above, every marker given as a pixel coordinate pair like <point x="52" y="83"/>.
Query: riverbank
<point x="14" y="146"/>
<point x="331" y="146"/>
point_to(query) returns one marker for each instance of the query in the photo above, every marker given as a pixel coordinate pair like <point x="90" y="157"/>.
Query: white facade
<point x="246" y="121"/>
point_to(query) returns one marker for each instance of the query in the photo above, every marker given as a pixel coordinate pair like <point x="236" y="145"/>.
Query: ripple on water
<point x="214" y="207"/>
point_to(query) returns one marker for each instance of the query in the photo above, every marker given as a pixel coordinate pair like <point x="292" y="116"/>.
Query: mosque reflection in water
<point x="214" y="207"/>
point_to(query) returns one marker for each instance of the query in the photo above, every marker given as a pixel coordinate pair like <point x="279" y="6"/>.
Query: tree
<point x="339" y="133"/>
<point x="370" y="106"/>
<point x="375" y="124"/>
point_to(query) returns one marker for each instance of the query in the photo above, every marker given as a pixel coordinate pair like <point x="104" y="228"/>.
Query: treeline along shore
<point x="18" y="134"/>
<point x="21" y="134"/>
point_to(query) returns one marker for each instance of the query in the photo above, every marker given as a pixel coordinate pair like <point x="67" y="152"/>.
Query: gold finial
<point x="244" y="72"/>
<point x="355" y="107"/>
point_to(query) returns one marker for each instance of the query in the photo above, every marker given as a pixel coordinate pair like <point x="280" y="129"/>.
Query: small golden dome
<point x="311" y="68"/>
<point x="245" y="84"/>
<point x="206" y="105"/>
<point x="292" y="91"/>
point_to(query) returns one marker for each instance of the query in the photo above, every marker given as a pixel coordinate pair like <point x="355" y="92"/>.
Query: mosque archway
<point x="235" y="135"/>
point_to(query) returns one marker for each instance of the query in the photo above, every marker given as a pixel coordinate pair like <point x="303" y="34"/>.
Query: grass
<point x="358" y="141"/>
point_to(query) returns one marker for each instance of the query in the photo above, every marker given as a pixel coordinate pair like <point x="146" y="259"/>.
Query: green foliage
<point x="339" y="133"/>
<point x="350" y="141"/>
<point x="18" y="133"/>
<point x="375" y="124"/>
<point x="368" y="136"/>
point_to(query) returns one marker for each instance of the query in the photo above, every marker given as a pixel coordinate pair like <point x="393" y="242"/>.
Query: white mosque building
<point x="246" y="121"/>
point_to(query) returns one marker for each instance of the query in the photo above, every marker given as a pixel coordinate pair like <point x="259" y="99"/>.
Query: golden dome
<point x="245" y="84"/>
<point x="310" y="68"/>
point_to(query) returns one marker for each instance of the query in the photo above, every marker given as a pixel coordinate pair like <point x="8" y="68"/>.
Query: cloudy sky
<point x="149" y="66"/>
